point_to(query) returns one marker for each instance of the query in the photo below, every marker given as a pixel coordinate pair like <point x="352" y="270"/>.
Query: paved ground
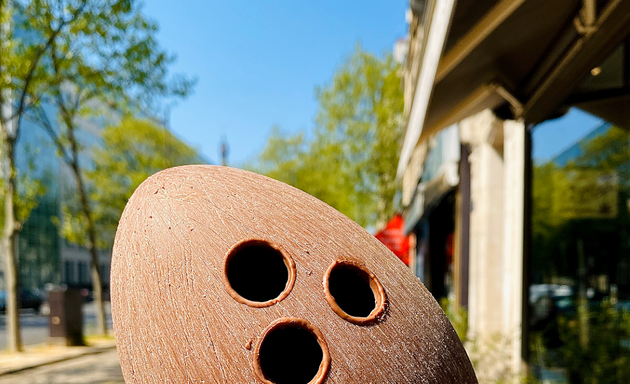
<point x="97" y="363"/>
<point x="101" y="368"/>
<point x="35" y="327"/>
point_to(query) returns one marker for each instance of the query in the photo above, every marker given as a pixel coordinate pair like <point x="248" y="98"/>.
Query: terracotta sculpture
<point x="224" y="276"/>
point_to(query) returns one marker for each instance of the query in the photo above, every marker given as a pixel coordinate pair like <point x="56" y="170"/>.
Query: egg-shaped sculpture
<point x="221" y="275"/>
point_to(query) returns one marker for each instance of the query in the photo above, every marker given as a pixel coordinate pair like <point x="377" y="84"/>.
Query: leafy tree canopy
<point x="78" y="55"/>
<point x="552" y="229"/>
<point x="101" y="60"/>
<point x="131" y="151"/>
<point x="350" y="160"/>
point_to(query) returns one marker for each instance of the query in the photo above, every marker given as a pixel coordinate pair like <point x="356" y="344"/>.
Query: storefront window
<point x="579" y="269"/>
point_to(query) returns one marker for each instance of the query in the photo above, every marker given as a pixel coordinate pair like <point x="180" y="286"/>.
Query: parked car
<point x="29" y="299"/>
<point x="547" y="301"/>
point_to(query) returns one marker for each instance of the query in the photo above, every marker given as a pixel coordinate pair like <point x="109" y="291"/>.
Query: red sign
<point x="393" y="236"/>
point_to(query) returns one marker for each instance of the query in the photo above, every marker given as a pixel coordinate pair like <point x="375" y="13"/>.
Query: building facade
<point x="44" y="257"/>
<point x="514" y="172"/>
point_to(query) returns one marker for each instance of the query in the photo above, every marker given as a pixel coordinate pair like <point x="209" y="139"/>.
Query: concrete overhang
<point x="522" y="58"/>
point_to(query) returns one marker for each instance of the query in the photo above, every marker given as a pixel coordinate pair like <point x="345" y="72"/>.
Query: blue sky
<point x="258" y="62"/>
<point x="554" y="136"/>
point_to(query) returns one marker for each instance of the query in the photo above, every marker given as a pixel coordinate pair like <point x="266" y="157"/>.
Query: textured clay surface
<point x="178" y="318"/>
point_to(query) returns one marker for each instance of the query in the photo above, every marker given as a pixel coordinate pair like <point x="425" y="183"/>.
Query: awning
<point x="522" y="58"/>
<point x="429" y="194"/>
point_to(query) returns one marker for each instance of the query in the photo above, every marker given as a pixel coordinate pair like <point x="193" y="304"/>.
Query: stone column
<point x="484" y="134"/>
<point x="513" y="209"/>
<point x="497" y="168"/>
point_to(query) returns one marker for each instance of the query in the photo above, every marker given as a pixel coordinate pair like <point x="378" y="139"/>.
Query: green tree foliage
<point x="29" y="191"/>
<point x="78" y="55"/>
<point x="545" y="223"/>
<point x="608" y="151"/>
<point x="27" y="31"/>
<point x="602" y="155"/>
<point x="350" y="161"/>
<point x="131" y="151"/>
<point x="587" y="336"/>
<point x="109" y="57"/>
<point x="605" y="360"/>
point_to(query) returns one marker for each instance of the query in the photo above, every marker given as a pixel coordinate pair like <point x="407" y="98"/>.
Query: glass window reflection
<point x="579" y="293"/>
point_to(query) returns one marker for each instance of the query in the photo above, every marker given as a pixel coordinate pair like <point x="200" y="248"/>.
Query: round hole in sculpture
<point x="354" y="293"/>
<point x="291" y="351"/>
<point x="258" y="273"/>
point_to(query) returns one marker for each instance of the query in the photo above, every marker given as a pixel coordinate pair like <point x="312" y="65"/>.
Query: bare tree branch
<point x="44" y="122"/>
<point x="21" y="105"/>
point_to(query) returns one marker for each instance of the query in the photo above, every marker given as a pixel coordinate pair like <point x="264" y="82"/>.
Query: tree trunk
<point x="9" y="237"/>
<point x="97" y="282"/>
<point x="97" y="279"/>
<point x="68" y="116"/>
<point x="11" y="227"/>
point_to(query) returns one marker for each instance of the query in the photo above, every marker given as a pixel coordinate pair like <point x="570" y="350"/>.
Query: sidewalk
<point x="43" y="354"/>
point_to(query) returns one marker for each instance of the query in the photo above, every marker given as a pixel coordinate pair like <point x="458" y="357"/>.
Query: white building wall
<point x="497" y="163"/>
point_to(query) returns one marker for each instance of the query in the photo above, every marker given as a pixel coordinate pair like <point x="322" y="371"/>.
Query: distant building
<point x="44" y="257"/>
<point x="577" y="149"/>
<point x="401" y="49"/>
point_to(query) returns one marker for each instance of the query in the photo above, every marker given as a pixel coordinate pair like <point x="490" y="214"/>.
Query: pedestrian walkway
<point x="101" y="368"/>
<point x="39" y="355"/>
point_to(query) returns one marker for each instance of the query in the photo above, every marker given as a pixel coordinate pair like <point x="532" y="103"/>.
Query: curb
<point x="53" y="360"/>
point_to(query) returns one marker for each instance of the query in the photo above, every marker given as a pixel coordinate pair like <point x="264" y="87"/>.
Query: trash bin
<point x="66" y="317"/>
